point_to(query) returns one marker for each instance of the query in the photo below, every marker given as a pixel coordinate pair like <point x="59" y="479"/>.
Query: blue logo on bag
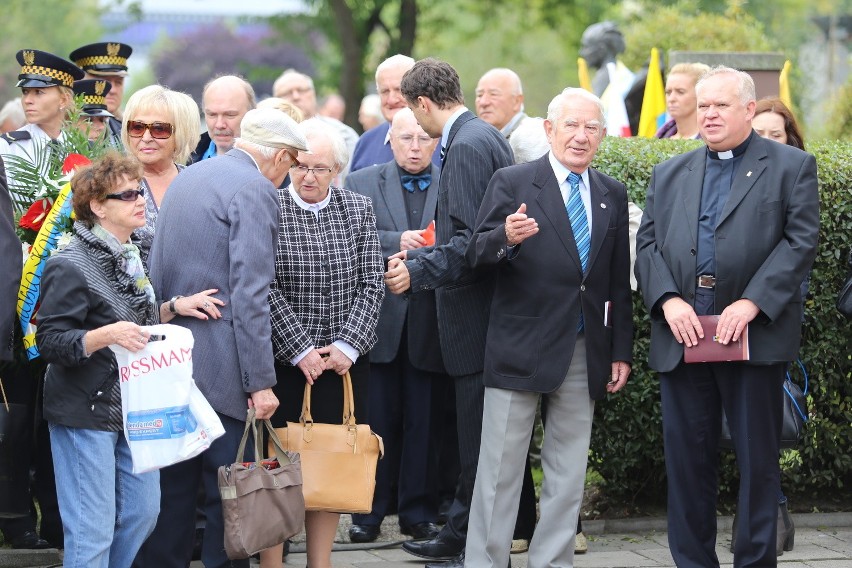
<point x="160" y="423"/>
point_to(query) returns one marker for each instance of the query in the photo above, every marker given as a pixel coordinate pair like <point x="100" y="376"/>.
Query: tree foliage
<point x="686" y="28"/>
<point x="187" y="63"/>
<point x="56" y="26"/>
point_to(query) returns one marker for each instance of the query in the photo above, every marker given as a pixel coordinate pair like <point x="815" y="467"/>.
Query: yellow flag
<point x="784" y="85"/>
<point x="654" y="99"/>
<point x="583" y="73"/>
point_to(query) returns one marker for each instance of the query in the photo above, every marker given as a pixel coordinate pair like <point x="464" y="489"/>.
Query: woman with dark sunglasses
<point x="160" y="129"/>
<point x="96" y="293"/>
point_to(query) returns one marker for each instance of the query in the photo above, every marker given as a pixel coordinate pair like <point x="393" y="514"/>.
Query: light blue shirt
<point x="561" y="173"/>
<point x="445" y="133"/>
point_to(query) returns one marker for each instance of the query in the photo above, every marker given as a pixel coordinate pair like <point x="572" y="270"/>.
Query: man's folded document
<point x="709" y="350"/>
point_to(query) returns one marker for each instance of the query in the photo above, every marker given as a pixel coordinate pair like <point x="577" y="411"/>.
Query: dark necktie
<point x="443" y="152"/>
<point x="421" y="181"/>
<point x="579" y="226"/>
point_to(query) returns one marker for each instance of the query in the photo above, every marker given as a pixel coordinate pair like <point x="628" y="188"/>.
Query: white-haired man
<point x="555" y="234"/>
<point x="225" y="101"/>
<point x="374" y="146"/>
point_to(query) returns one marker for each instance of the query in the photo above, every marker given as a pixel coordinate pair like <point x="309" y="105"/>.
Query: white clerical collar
<point x="314" y="208"/>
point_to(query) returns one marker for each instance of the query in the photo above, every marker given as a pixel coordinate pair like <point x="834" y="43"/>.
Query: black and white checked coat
<point x="328" y="276"/>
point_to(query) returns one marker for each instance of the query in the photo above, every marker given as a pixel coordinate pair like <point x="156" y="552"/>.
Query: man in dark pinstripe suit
<point x="473" y="150"/>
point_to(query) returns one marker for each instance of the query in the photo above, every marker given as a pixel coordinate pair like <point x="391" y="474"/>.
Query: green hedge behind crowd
<point x="627" y="444"/>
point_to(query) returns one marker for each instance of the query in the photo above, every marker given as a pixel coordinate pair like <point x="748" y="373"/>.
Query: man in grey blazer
<point x="730" y="229"/>
<point x="473" y="151"/>
<point x="555" y="234"/>
<point x="10" y="269"/>
<point x="407" y="358"/>
<point x="218" y="228"/>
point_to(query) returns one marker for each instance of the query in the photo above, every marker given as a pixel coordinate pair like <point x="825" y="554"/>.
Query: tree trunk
<point x="351" y="81"/>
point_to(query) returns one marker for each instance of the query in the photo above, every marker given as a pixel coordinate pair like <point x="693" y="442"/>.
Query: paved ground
<point x="822" y="541"/>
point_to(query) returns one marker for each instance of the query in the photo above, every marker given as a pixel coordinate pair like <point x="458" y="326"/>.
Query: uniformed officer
<point x="94" y="115"/>
<point x="108" y="61"/>
<point x="46" y="83"/>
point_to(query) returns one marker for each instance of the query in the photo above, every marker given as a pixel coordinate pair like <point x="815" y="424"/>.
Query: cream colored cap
<point x="273" y="129"/>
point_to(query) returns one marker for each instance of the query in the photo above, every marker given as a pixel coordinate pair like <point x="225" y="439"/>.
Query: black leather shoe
<point x="455" y="562"/>
<point x="420" y="531"/>
<point x="30" y="540"/>
<point x="434" y="549"/>
<point x="363" y="533"/>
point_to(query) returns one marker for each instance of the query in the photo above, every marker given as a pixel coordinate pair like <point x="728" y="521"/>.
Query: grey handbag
<point x="262" y="502"/>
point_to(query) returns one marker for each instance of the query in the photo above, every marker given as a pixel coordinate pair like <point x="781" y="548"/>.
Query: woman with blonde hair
<point x="681" y="102"/>
<point x="46" y="83"/>
<point x="160" y="129"/>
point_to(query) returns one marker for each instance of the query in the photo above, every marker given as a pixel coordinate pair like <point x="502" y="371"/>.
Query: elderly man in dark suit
<point x="218" y="227"/>
<point x="10" y="268"/>
<point x="407" y="358"/>
<point x="473" y="150"/>
<point x="556" y="234"/>
<point x="730" y="229"/>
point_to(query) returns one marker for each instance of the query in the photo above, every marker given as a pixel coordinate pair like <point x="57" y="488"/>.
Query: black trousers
<point x="693" y="397"/>
<point x="400" y="412"/>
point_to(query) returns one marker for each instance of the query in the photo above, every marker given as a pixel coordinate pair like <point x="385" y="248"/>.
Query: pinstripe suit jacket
<point x="328" y="276"/>
<point x="218" y="228"/>
<point x="475" y="150"/>
<point x="382" y="184"/>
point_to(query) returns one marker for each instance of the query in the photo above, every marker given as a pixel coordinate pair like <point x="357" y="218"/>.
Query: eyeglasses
<point x="158" y="130"/>
<point x="127" y="195"/>
<point x="304" y="170"/>
<point x="293" y="156"/>
<point x="407" y="139"/>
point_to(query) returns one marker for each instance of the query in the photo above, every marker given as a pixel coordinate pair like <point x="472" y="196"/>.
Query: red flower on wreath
<point x="74" y="161"/>
<point x="36" y="214"/>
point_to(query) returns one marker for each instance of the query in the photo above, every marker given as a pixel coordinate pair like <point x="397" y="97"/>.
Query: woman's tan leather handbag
<point x="338" y="460"/>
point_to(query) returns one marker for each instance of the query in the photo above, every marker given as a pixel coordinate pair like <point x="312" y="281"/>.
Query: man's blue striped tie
<point x="579" y="225"/>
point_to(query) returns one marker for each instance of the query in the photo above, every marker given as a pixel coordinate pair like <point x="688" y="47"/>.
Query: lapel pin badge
<point x="748" y="175"/>
<point x="603" y="205"/>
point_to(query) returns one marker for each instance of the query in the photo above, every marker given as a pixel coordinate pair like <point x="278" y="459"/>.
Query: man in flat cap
<point x="107" y="61"/>
<point x="227" y="241"/>
<point x="94" y="115"/>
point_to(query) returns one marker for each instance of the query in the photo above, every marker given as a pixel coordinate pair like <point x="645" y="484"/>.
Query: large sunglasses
<point x="128" y="195"/>
<point x="159" y="130"/>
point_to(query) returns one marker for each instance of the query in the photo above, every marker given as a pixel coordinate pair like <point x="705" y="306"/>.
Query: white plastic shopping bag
<point x="166" y="418"/>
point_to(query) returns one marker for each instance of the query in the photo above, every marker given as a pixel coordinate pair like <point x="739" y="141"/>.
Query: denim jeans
<point x="103" y="528"/>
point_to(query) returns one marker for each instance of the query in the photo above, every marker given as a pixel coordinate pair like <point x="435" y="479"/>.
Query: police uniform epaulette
<point x="16" y="136"/>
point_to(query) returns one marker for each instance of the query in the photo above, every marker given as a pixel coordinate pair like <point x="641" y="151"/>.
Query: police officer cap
<point x="43" y="69"/>
<point x="106" y="58"/>
<point x="94" y="93"/>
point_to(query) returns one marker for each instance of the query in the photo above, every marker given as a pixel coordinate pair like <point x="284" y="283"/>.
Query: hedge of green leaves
<point x="627" y="445"/>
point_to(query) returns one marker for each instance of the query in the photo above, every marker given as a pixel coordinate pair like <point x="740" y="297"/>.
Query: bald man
<point x="500" y="100"/>
<point x="406" y="362"/>
<point x="225" y="100"/>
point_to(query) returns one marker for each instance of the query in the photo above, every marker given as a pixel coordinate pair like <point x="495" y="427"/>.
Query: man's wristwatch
<point x="172" y="308"/>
